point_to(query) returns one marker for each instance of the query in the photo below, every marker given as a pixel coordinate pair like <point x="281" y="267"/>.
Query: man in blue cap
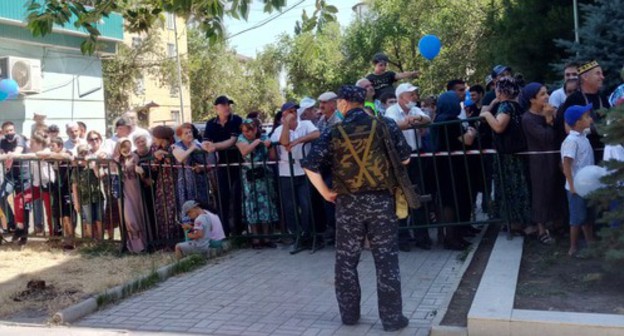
<point x="363" y="186"/>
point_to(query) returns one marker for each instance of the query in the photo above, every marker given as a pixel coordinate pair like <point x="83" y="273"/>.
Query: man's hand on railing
<point x="208" y="146"/>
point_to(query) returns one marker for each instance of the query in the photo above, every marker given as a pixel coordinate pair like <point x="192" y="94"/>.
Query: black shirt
<point x="598" y="102"/>
<point x="215" y="132"/>
<point x="382" y="83"/>
<point x="8" y="147"/>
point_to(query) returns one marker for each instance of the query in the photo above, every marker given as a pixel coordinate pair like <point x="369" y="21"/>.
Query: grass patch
<point x="74" y="276"/>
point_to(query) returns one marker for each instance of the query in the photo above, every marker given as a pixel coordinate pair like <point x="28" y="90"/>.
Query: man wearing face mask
<point x="362" y="180"/>
<point x="17" y="175"/>
<point x="407" y="116"/>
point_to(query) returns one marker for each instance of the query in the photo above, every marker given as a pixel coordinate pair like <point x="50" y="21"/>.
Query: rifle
<point x="399" y="170"/>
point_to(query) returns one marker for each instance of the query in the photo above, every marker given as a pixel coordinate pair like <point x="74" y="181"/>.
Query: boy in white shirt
<point x="576" y="153"/>
<point x="205" y="232"/>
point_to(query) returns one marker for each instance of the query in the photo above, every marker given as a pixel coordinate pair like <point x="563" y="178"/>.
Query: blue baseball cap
<point x="352" y="93"/>
<point x="573" y="113"/>
<point x="288" y="106"/>
<point x="499" y="69"/>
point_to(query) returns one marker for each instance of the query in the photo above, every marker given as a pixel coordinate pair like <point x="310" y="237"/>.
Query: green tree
<point x="123" y="72"/>
<point x="600" y="39"/>
<point x="396" y="26"/>
<point x="523" y="34"/>
<point x="216" y="70"/>
<point x="313" y="61"/>
<point x="141" y="15"/>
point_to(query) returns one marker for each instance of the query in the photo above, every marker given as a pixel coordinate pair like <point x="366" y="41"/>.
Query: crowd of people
<point x="139" y="182"/>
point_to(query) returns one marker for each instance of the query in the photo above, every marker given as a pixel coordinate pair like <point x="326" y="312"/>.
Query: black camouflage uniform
<point x="363" y="213"/>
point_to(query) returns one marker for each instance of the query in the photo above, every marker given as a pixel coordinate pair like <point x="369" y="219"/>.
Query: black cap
<point x="53" y="129"/>
<point x="380" y="57"/>
<point x="223" y="100"/>
<point x="352" y="93"/>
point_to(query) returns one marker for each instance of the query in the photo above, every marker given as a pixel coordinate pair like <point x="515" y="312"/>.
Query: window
<point x="175" y="116"/>
<point x="170" y="21"/>
<point x="136" y="42"/>
<point x="171" y="50"/>
<point x="140" y="86"/>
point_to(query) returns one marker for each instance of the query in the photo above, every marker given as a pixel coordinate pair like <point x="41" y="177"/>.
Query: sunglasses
<point x="248" y="121"/>
<point x="94" y="139"/>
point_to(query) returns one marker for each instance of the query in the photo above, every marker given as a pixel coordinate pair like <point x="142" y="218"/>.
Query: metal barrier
<point x="254" y="202"/>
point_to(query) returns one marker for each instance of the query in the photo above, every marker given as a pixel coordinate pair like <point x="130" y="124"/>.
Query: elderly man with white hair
<point x="330" y="115"/>
<point x="369" y="104"/>
<point x="136" y="129"/>
<point x="73" y="137"/>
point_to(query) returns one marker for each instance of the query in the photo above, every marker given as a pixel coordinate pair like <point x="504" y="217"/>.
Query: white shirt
<point x="304" y="127"/>
<point x="396" y="113"/>
<point x="71" y="147"/>
<point x="557" y="98"/>
<point x="42" y="173"/>
<point x="577" y="147"/>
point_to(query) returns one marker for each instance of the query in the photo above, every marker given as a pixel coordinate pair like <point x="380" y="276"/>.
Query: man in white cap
<point x="330" y="115"/>
<point x="407" y="116"/>
<point x="307" y="111"/>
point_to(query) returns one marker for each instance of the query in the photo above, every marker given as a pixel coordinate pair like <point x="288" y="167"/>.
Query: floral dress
<point x="259" y="197"/>
<point x="511" y="193"/>
<point x="163" y="174"/>
<point x="192" y="185"/>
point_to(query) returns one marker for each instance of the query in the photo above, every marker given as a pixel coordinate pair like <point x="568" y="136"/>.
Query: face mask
<point x="339" y="115"/>
<point x="587" y="131"/>
<point x="410" y="105"/>
<point x="9" y="137"/>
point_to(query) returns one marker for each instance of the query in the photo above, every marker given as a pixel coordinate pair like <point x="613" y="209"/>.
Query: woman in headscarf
<point x="167" y="232"/>
<point x="511" y="196"/>
<point x="546" y="185"/>
<point x="134" y="211"/>
<point x="453" y="175"/>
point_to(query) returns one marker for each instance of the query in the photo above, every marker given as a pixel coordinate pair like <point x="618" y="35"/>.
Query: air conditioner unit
<point x="25" y="71"/>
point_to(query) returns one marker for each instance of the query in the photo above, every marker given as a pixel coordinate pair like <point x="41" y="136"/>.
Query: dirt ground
<point x="457" y="313"/>
<point x="551" y="280"/>
<point x="39" y="279"/>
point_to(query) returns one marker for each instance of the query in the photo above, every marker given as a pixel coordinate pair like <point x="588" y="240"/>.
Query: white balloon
<point x="587" y="180"/>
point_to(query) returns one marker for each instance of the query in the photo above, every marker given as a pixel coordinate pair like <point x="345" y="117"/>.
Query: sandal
<point x="546" y="239"/>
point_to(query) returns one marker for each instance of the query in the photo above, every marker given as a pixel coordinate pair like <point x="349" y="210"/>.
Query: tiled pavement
<point x="270" y="292"/>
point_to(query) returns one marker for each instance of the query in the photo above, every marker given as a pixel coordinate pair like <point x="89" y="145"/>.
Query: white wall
<point x="66" y="76"/>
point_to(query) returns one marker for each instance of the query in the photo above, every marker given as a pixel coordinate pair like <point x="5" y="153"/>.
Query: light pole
<point x="175" y="32"/>
<point x="576" y="23"/>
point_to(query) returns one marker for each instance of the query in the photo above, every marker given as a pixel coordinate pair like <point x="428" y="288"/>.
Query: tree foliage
<point x="123" y="72"/>
<point x="611" y="245"/>
<point x="313" y="61"/>
<point x="140" y="15"/>
<point x="600" y="38"/>
<point x="216" y="70"/>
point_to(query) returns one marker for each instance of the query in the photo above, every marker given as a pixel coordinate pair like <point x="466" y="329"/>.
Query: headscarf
<point x="508" y="87"/>
<point x="448" y="107"/>
<point x="529" y="92"/>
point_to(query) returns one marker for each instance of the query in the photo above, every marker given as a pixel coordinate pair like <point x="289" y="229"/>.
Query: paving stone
<point x="270" y="292"/>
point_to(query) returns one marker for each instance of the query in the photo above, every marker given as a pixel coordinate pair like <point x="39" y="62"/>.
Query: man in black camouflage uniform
<point x="363" y="187"/>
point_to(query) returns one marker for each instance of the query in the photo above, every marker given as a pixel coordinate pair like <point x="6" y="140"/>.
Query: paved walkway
<point x="270" y="292"/>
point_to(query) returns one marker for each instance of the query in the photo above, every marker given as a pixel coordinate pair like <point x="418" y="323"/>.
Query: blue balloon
<point x="429" y="46"/>
<point x="3" y="96"/>
<point x="9" y="87"/>
<point x="468" y="99"/>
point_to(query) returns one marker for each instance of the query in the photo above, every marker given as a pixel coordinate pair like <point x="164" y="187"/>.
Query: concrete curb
<point x="436" y="328"/>
<point x="92" y="304"/>
<point x="493" y="313"/>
